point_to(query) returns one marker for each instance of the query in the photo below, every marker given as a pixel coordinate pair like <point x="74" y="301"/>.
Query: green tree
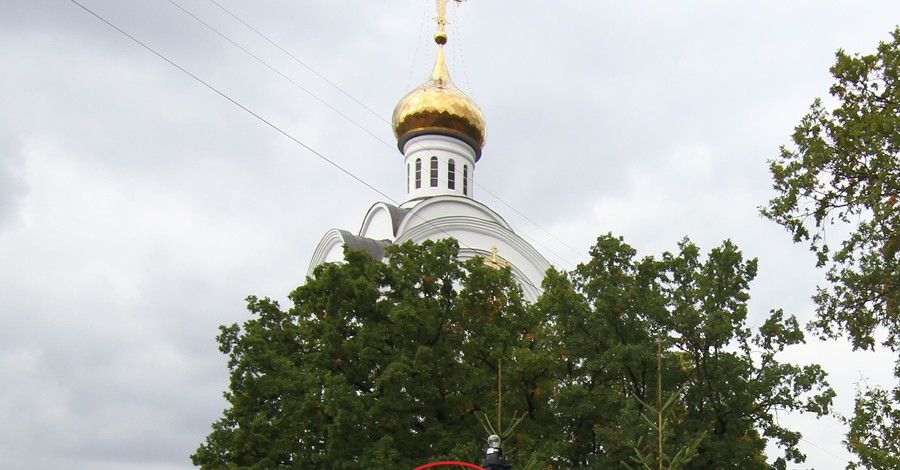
<point x="607" y="316"/>
<point x="836" y="190"/>
<point x="875" y="430"/>
<point x="398" y="363"/>
<point x="376" y="365"/>
<point x="662" y="458"/>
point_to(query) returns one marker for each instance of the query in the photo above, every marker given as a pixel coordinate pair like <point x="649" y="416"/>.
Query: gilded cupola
<point x="438" y="107"/>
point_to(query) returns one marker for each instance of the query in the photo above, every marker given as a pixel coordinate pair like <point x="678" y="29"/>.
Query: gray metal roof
<point x="375" y="248"/>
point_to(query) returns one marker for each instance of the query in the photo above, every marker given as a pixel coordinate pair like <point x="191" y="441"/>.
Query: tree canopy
<point x="376" y="365"/>
<point x="606" y="318"/>
<point x="395" y="363"/>
<point x="844" y="170"/>
<point x="836" y="190"/>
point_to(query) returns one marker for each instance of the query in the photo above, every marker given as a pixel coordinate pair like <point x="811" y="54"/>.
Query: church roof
<point x="374" y="248"/>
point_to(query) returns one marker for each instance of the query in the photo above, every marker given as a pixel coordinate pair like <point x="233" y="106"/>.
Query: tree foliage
<point x="376" y="365"/>
<point x="875" y="430"/>
<point x="837" y="188"/>
<point x="607" y="317"/>
<point x="395" y="364"/>
<point x="843" y="171"/>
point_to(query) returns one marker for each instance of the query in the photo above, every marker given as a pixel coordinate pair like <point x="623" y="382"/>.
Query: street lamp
<point x="493" y="458"/>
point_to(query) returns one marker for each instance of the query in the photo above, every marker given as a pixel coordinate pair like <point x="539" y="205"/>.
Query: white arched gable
<point x="329" y="250"/>
<point x="381" y="222"/>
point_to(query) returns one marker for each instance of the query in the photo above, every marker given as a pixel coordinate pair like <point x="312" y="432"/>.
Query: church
<point x="441" y="133"/>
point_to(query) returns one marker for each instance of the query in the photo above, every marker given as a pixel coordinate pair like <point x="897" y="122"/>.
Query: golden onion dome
<point x="438" y="107"/>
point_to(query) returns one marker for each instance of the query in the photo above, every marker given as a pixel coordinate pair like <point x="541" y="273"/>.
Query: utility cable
<point x="517" y="211"/>
<point x="282" y="75"/>
<point x="273" y="69"/>
<point x="292" y="56"/>
<point x="360" y="103"/>
<point x="275" y="127"/>
<point x="825" y="450"/>
<point x="233" y="101"/>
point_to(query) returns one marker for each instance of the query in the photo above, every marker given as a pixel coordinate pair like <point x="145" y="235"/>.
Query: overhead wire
<point x="521" y="214"/>
<point x="418" y="42"/>
<point x="278" y="72"/>
<point x="232" y="100"/>
<point x="296" y="59"/>
<point x="825" y="450"/>
<point x="275" y="127"/>
<point x="349" y="119"/>
<point x="273" y="69"/>
<point x="355" y="100"/>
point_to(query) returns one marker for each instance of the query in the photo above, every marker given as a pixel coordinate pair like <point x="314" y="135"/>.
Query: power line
<point x="317" y="98"/>
<point x="273" y="69"/>
<point x="360" y="103"/>
<point x="825" y="450"/>
<point x="292" y="56"/>
<point x="271" y="125"/>
<point x="534" y="223"/>
<point x="282" y="75"/>
<point x="232" y="100"/>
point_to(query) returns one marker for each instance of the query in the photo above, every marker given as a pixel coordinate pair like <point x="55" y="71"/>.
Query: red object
<point x="449" y="462"/>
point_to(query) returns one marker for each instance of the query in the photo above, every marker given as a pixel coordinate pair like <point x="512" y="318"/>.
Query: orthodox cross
<point x="495" y="260"/>
<point x="440" y="36"/>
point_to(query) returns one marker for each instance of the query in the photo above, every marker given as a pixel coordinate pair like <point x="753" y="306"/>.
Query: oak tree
<point x="836" y="188"/>
<point x="608" y="317"/>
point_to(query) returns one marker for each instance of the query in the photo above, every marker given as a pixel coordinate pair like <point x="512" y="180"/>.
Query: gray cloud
<point x="12" y="182"/>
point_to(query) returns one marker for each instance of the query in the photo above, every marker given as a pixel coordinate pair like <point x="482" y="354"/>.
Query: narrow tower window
<point x="451" y="174"/>
<point x="434" y="172"/>
<point x="466" y="180"/>
<point x="408" y="174"/>
<point x="418" y="173"/>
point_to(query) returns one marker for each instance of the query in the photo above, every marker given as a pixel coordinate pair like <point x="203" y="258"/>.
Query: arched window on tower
<point x="408" y="174"/>
<point x="434" y="172"/>
<point x="451" y="174"/>
<point x="466" y="180"/>
<point x="418" y="173"/>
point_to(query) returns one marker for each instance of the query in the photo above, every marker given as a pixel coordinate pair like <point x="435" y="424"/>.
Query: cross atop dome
<point x="440" y="36"/>
<point x="437" y="107"/>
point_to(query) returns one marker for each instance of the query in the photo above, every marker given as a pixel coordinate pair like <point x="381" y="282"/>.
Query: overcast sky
<point x="138" y="208"/>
